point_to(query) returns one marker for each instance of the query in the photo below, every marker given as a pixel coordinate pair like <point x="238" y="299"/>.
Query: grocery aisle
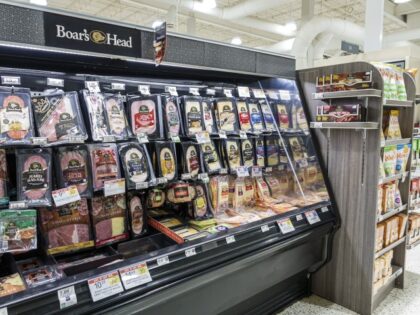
<point x="401" y="302"/>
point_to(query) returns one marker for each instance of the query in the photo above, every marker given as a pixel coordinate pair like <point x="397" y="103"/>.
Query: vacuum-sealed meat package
<point x="201" y="204"/>
<point x="243" y="115"/>
<point x="283" y="120"/>
<point x="268" y="116"/>
<point x="210" y="156"/>
<point x="208" y="117"/>
<point x="58" y="117"/>
<point x="192" y="114"/>
<point x="171" y="116"/>
<point x="256" y="116"/>
<point x="190" y="159"/>
<point x="66" y="228"/>
<point x="115" y="117"/>
<point x="34" y="172"/>
<point x="4" y="198"/>
<point x="247" y="150"/>
<point x="145" y="114"/>
<point x="259" y="152"/>
<point x="165" y="160"/>
<point x="232" y="154"/>
<point x="226" y="115"/>
<point x="105" y="166"/>
<point x="73" y="169"/>
<point x="137" y="214"/>
<point x="95" y="111"/>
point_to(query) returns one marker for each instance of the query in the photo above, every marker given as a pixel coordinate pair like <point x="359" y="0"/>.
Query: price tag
<point x="39" y="140"/>
<point x="230" y="239"/>
<point x="286" y="226"/>
<point x="75" y="139"/>
<point x="161" y="180"/>
<point x="273" y="95"/>
<point x="243" y="135"/>
<point x="118" y="86"/>
<point x="204" y="177"/>
<point x="299" y="217"/>
<point x="186" y="176"/>
<point x="317" y="124"/>
<point x="67" y="297"/>
<point x="144" y="89"/>
<point x="108" y="138"/>
<point x="223" y="171"/>
<point x="114" y="187"/>
<point x="222" y="134"/>
<point x="65" y="195"/>
<point x="318" y="95"/>
<point x="268" y="169"/>
<point x="142" y="138"/>
<point x="227" y="92"/>
<point x="55" y="82"/>
<point x="284" y="95"/>
<point x="105" y="286"/>
<point x="172" y="90"/>
<point x="93" y="86"/>
<point x="135" y="275"/>
<point x="190" y="252"/>
<point x="162" y="261"/>
<point x="15" y="205"/>
<point x="143" y="185"/>
<point x="3" y="311"/>
<point x="202" y="137"/>
<point x="242" y="171"/>
<point x="282" y="167"/>
<point x="175" y="138"/>
<point x="312" y="217"/>
<point x="265" y="228"/>
<point x="324" y="209"/>
<point x="11" y="80"/>
<point x="210" y="91"/>
<point x="256" y="171"/>
<point x="194" y="91"/>
<point x="258" y="93"/>
<point x="243" y="91"/>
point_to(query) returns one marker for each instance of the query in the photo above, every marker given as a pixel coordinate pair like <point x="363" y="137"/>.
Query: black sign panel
<point x="80" y="34"/>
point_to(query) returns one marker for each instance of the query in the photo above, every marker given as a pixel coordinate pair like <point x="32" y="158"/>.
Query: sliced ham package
<point x="164" y="159"/>
<point x="136" y="164"/>
<point x="115" y="117"/>
<point x="73" y="168"/>
<point x="172" y="118"/>
<point x="145" y="114"/>
<point x="192" y="115"/>
<point x="94" y="110"/>
<point x="16" y="122"/>
<point x="66" y="228"/>
<point x="58" y="117"/>
<point x="137" y="213"/>
<point x="4" y="179"/>
<point x="109" y="219"/>
<point x="227" y="115"/>
<point x="105" y="166"/>
<point x="34" y="172"/>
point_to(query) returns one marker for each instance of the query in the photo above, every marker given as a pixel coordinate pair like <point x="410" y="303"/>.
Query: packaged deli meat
<point x="172" y="118"/>
<point x="226" y="115"/>
<point x="201" y="202"/>
<point x="16" y="123"/>
<point x="256" y="116"/>
<point x="247" y="152"/>
<point x="105" y="166"/>
<point x="281" y="110"/>
<point x="73" y="169"/>
<point x="94" y="110"/>
<point x="18" y="231"/>
<point x="40" y="276"/>
<point x="136" y="164"/>
<point x="259" y="152"/>
<point x="208" y="117"/>
<point x="136" y="213"/>
<point x="109" y="219"/>
<point x="191" y="111"/>
<point x="115" y="117"/>
<point x="4" y="198"/>
<point x="145" y="114"/>
<point x="66" y="228"/>
<point x="164" y="159"/>
<point x="155" y="198"/>
<point x="190" y="160"/>
<point x="272" y="151"/>
<point x="58" y="117"/>
<point x="267" y="115"/>
<point x="232" y="154"/>
<point x="11" y="284"/>
<point x="34" y="172"/>
<point x="243" y="115"/>
<point x="210" y="156"/>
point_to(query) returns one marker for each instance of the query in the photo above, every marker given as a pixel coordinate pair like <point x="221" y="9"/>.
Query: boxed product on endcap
<point x="105" y="166"/>
<point x="339" y="113"/>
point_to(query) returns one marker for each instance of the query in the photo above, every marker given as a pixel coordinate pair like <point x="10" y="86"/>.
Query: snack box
<point x="351" y="81"/>
<point x="339" y="113"/>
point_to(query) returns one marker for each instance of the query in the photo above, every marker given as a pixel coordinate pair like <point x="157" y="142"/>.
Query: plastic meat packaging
<point x="11" y="284"/>
<point x="192" y="114"/>
<point x="247" y="150"/>
<point x="232" y="154"/>
<point x="208" y="117"/>
<point x="4" y="198"/>
<point x="243" y="115"/>
<point x="211" y="159"/>
<point x="171" y="116"/>
<point x="256" y="116"/>
<point x="94" y="108"/>
<point x="58" y="117"/>
<point x="272" y="151"/>
<point x="18" y="231"/>
<point x="146" y="116"/>
<point x="66" y="228"/>
<point x="105" y="166"/>
<point x="115" y="117"/>
<point x="165" y="160"/>
<point x="259" y="152"/>
<point x="190" y="159"/>
<point x="137" y="214"/>
<point x="34" y="176"/>
<point x="40" y="276"/>
<point x="226" y="115"/>
<point x="268" y="116"/>
<point x="16" y="125"/>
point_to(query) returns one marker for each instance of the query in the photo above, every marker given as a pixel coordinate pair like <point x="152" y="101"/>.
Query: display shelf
<point x="392" y="178"/>
<point x="389" y="247"/>
<point x="347" y="94"/>
<point x="389" y="214"/>
<point x="395" y="142"/>
<point x="414" y="244"/>
<point x="389" y="283"/>
<point x="398" y="103"/>
<point x="344" y="125"/>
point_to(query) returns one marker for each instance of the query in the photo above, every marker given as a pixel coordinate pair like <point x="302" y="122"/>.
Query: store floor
<point x="401" y="302"/>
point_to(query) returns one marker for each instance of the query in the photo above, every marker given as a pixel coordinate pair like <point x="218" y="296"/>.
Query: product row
<point x="395" y="159"/>
<point x="413" y="228"/>
<point x="390" y="231"/>
<point x="382" y="270"/>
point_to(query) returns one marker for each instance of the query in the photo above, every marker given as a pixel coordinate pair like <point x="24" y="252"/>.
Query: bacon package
<point x="136" y="164"/>
<point x="208" y="117"/>
<point x="66" y="228"/>
<point x="115" y="117"/>
<point x="109" y="219"/>
<point x="243" y="115"/>
<point x="58" y="117"/>
<point x="16" y="125"/>
<point x="171" y="116"/>
<point x="226" y="115"/>
<point x="4" y="198"/>
<point x="73" y="169"/>
<point x="192" y="114"/>
<point x="34" y="172"/>
<point x="94" y="109"/>
<point x="105" y="166"/>
<point x="165" y="160"/>
<point x="145" y="114"/>
<point x="137" y="214"/>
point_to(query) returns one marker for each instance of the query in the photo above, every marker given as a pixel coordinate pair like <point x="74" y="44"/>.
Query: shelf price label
<point x="258" y="93"/>
<point x="204" y="177"/>
<point x="3" y="311"/>
<point x="243" y="91"/>
<point x="55" y="82"/>
<point x="144" y="89"/>
<point x="265" y="228"/>
<point x="10" y="80"/>
<point x="190" y="252"/>
<point x="194" y="91"/>
<point x="211" y="92"/>
<point x="135" y="275"/>
<point x="299" y="217"/>
<point x="93" y="86"/>
<point x="317" y="124"/>
<point x="142" y="185"/>
<point x="256" y="171"/>
<point x="142" y="138"/>
<point x="162" y="261"/>
<point x="108" y="138"/>
<point x="65" y="196"/>
<point x="286" y="226"/>
<point x="105" y="286"/>
<point x="222" y="134"/>
<point x="242" y="171"/>
<point x="273" y="95"/>
<point x="312" y="217"/>
<point x="284" y="95"/>
<point x="243" y="135"/>
<point x="171" y="90"/>
<point x="175" y="138"/>
<point x="230" y="239"/>
<point x="15" y="205"/>
<point x="67" y="297"/>
<point x="114" y="187"/>
<point x="39" y="140"/>
<point x="118" y="86"/>
<point x="186" y="176"/>
<point x="223" y="171"/>
<point x="227" y="92"/>
<point x="324" y="209"/>
<point x="202" y="137"/>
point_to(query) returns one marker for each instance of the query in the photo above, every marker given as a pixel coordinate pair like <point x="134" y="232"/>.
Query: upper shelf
<point x="346" y="94"/>
<point x="397" y="103"/>
<point x="344" y="125"/>
<point x="395" y="142"/>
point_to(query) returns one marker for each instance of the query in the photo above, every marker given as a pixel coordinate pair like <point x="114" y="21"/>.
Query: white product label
<point x="144" y="89"/>
<point x="318" y="95"/>
<point x="242" y="171"/>
<point x="39" y="140"/>
<point x="161" y="180"/>
<point x="324" y="209"/>
<point x="190" y="252"/>
<point x="317" y="124"/>
<point x="258" y="93"/>
<point x="223" y="171"/>
<point x="286" y="226"/>
<point x="162" y="261"/>
<point x="172" y="90"/>
<point x="142" y="138"/>
<point x="143" y="185"/>
<point x="299" y="217"/>
<point x="273" y="95"/>
<point x="118" y="86"/>
<point x="3" y="311"/>
<point x="108" y="138"/>
<point x="268" y="169"/>
<point x="75" y="139"/>
<point x="202" y="137"/>
<point x="65" y="196"/>
<point x="105" y="286"/>
<point x="194" y="91"/>
<point x="281" y="167"/>
<point x="284" y="95"/>
<point x="10" y="80"/>
<point x="114" y="187"/>
<point x="55" y="82"/>
<point x="227" y="92"/>
<point x="204" y="177"/>
<point x="135" y="275"/>
<point x="175" y="139"/>
<point x="67" y="297"/>
<point x="243" y="135"/>
<point x="265" y="228"/>
<point x="256" y="171"/>
<point x="243" y="91"/>
<point x="312" y="217"/>
<point x="211" y="92"/>
<point x="230" y="239"/>
<point x="93" y="86"/>
<point x="15" y="205"/>
<point x="222" y="134"/>
<point x="186" y="176"/>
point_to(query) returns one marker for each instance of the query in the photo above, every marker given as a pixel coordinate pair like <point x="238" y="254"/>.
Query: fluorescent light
<point x="209" y="4"/>
<point x="157" y="23"/>
<point x="39" y="2"/>
<point x="401" y="1"/>
<point x="236" y="41"/>
<point x="291" y="26"/>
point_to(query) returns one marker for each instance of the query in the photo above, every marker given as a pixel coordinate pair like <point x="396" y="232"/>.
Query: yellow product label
<point x="170" y="222"/>
<point x="69" y="248"/>
<point x="118" y="226"/>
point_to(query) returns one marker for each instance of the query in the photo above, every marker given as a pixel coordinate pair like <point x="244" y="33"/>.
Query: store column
<point x="374" y="20"/>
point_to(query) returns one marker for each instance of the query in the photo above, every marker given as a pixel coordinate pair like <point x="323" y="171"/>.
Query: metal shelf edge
<point x="389" y="247"/>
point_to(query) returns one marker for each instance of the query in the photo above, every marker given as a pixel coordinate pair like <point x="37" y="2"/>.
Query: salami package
<point x="192" y="113"/>
<point x="34" y="171"/>
<point x="226" y="115"/>
<point x="259" y="152"/>
<point x="115" y="117"/>
<point x="58" y="117"/>
<point x="171" y="117"/>
<point x="109" y="219"/>
<point x="136" y="214"/>
<point x="16" y="122"/>
<point x="232" y="149"/>
<point x="256" y="116"/>
<point x="247" y="152"/>
<point x="66" y="228"/>
<point x="210" y="156"/>
<point x="4" y="198"/>
<point x="165" y="160"/>
<point x="268" y="116"/>
<point x="190" y="159"/>
<point x="73" y="169"/>
<point x="272" y="151"/>
<point x="105" y="166"/>
<point x="94" y="109"/>
<point x="145" y="114"/>
<point x="136" y="164"/>
<point x="208" y="117"/>
<point x="243" y="115"/>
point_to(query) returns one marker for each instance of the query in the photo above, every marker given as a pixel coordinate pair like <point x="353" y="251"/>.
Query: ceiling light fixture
<point x="401" y="1"/>
<point x="39" y="2"/>
<point x="157" y="23"/>
<point x="291" y="26"/>
<point x="236" y="41"/>
<point x="209" y="4"/>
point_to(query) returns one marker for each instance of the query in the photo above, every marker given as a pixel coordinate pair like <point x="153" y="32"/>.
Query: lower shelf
<point x="412" y="245"/>
<point x="380" y="294"/>
<point x="389" y="247"/>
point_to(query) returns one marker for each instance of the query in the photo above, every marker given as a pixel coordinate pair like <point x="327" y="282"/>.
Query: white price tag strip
<point x="65" y="195"/>
<point x="75" y="139"/>
<point x="222" y="134"/>
<point x="93" y="86"/>
<point x="299" y="217"/>
<point x="194" y="91"/>
<point x="318" y="95"/>
<point x="14" y="205"/>
<point x="265" y="228"/>
<point x="105" y="286"/>
<point x="230" y="239"/>
<point x="204" y="177"/>
<point x="242" y="171"/>
<point x="268" y="169"/>
<point x="312" y="217"/>
<point x="243" y="135"/>
<point x="10" y="80"/>
<point x="135" y="275"/>
<point x="324" y="209"/>
<point x="227" y="92"/>
<point x="67" y="297"/>
<point x="3" y="311"/>
<point x="317" y="124"/>
<point x="258" y="93"/>
<point x="273" y="95"/>
<point x="243" y="91"/>
<point x="161" y="180"/>
<point x="211" y="92"/>
<point x="144" y="89"/>
<point x="39" y="140"/>
<point x="186" y="176"/>
<point x="175" y="139"/>
<point x="256" y="171"/>
<point x="223" y="171"/>
<point x="190" y="252"/>
<point x="114" y="187"/>
<point x="284" y="95"/>
<point x="142" y="138"/>
<point x="55" y="82"/>
<point x="203" y="137"/>
<point x="143" y="185"/>
<point x="285" y="225"/>
<point x="118" y="86"/>
<point x="172" y="90"/>
<point x="162" y="261"/>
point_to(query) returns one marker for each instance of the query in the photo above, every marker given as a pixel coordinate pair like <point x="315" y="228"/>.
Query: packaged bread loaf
<point x="380" y="230"/>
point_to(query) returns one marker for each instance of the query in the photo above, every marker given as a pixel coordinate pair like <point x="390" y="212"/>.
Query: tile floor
<point x="398" y="302"/>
